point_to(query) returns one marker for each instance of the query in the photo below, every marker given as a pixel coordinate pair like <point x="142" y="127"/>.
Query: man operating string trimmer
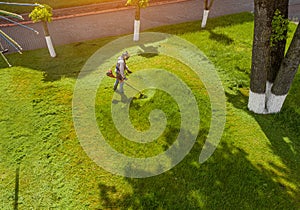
<point x="121" y="67"/>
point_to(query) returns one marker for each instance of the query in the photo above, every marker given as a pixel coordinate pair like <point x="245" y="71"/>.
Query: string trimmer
<point x="110" y="74"/>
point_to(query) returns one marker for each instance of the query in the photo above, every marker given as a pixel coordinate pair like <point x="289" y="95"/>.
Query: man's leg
<point x="121" y="87"/>
<point x="116" y="84"/>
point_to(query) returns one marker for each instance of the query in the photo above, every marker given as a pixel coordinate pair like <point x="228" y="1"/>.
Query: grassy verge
<point x="256" y="165"/>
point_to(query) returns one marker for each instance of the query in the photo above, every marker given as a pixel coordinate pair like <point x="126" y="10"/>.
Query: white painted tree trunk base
<point x="267" y="103"/>
<point x="269" y="86"/>
<point x="257" y="102"/>
<point x="136" y="34"/>
<point x="204" y="19"/>
<point x="50" y="46"/>
<point x="275" y="103"/>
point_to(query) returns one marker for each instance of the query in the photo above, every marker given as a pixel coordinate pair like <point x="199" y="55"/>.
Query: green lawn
<point x="256" y="165"/>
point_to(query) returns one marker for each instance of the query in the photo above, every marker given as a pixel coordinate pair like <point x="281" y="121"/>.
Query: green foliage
<point x="138" y="3"/>
<point x="41" y="13"/>
<point x="279" y="28"/>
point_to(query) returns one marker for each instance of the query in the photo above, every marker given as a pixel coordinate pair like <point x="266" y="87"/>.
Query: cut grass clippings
<point x="256" y="165"/>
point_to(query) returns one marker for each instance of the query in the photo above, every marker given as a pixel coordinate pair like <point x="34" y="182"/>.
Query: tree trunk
<point x="205" y="4"/>
<point x="272" y="73"/>
<point x="137" y="12"/>
<point x="204" y="18"/>
<point x="136" y="34"/>
<point x="206" y="12"/>
<point x="48" y="40"/>
<point x="278" y="50"/>
<point x="285" y="76"/>
<point x="261" y="53"/>
<point x="45" y="27"/>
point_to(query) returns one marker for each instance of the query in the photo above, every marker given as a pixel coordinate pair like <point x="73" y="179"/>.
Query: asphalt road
<point x="120" y="21"/>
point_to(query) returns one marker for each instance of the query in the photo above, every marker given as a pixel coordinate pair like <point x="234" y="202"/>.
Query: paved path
<point x="118" y="21"/>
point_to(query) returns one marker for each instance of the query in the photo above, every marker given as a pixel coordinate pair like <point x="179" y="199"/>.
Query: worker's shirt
<point x="121" y="67"/>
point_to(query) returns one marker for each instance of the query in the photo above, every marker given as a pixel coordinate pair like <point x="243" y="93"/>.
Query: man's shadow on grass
<point x="123" y="98"/>
<point x="147" y="51"/>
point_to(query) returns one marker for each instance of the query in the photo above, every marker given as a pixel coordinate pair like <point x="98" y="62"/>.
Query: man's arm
<point x="122" y="69"/>
<point x="126" y="68"/>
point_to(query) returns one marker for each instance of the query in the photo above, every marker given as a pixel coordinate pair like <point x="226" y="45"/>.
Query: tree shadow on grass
<point x="71" y="58"/>
<point x="228" y="180"/>
<point x="194" y="26"/>
<point x="283" y="133"/>
<point x="222" y="38"/>
<point x="17" y="183"/>
<point x="229" y="20"/>
<point x="68" y="63"/>
<point x="284" y="136"/>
